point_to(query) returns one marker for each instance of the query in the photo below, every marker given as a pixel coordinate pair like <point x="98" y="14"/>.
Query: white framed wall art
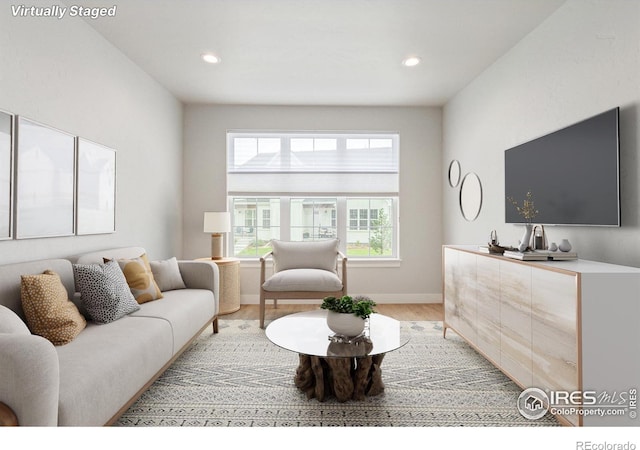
<point x="96" y="188"/>
<point x="6" y="175"/>
<point x="45" y="181"/>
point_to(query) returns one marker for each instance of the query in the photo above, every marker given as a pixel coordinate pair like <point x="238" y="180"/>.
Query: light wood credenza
<point x="559" y="326"/>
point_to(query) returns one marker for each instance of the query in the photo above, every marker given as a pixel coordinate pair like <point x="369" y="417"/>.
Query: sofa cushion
<point x="48" y="310"/>
<point x="303" y="280"/>
<point x="104" y="291"/>
<point x="107" y="364"/>
<point x="305" y="255"/>
<point x="187" y="310"/>
<point x="167" y="274"/>
<point x="10" y="323"/>
<point x="140" y="278"/>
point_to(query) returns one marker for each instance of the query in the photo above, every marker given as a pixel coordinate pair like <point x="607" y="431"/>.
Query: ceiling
<point x="318" y="52"/>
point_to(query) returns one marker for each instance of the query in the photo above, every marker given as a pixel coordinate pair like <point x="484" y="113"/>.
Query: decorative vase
<point x="346" y="324"/>
<point x="553" y="247"/>
<point x="565" y="245"/>
<point x="526" y="237"/>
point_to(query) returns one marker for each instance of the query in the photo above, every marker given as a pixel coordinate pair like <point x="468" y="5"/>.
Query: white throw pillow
<point x="305" y="255"/>
<point x="167" y="274"/>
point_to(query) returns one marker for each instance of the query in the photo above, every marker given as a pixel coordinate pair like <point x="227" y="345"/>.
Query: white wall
<point x="417" y="278"/>
<point x="583" y="60"/>
<point x="63" y="74"/>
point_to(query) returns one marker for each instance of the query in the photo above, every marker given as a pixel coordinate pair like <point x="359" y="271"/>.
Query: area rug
<point x="238" y="378"/>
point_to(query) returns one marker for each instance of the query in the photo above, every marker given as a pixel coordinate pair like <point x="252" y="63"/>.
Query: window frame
<point x="363" y="176"/>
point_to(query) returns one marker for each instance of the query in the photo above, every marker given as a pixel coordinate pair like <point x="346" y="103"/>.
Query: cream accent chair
<point x="302" y="270"/>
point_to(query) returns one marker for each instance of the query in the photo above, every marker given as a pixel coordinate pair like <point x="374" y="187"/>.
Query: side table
<point x="229" y="269"/>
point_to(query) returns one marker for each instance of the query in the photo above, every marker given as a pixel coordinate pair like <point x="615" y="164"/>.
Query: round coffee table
<point x="348" y="370"/>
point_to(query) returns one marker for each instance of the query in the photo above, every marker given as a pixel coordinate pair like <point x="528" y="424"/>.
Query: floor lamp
<point x="217" y="223"/>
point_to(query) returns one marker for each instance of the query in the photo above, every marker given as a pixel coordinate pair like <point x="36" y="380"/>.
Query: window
<point x="250" y="239"/>
<point x="373" y="234"/>
<point x="311" y="186"/>
<point x="311" y="218"/>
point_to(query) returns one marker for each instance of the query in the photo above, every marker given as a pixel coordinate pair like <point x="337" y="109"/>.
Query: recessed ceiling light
<point x="411" y="61"/>
<point x="210" y="58"/>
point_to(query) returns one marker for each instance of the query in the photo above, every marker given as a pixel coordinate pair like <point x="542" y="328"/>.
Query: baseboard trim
<point x="378" y="298"/>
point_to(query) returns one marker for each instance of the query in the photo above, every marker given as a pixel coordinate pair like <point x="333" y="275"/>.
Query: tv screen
<point x="572" y="174"/>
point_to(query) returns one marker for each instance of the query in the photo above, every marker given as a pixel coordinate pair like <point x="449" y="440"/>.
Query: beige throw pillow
<point x="140" y="279"/>
<point x="305" y="255"/>
<point x="48" y="310"/>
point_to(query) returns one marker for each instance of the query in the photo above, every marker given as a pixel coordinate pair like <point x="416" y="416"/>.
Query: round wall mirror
<point x="454" y="173"/>
<point x="470" y="196"/>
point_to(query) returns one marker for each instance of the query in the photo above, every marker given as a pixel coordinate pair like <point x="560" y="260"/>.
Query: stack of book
<point x="541" y="255"/>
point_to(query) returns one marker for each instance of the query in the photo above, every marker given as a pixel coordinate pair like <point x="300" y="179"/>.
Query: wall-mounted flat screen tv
<point x="573" y="174"/>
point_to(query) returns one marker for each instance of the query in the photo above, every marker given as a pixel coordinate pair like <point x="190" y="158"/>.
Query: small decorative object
<point x="494" y="244"/>
<point x="539" y="238"/>
<point x="526" y="237"/>
<point x="565" y="245"/>
<point x="498" y="249"/>
<point x="346" y="315"/>
<point x="553" y="247"/>
<point x="528" y="212"/>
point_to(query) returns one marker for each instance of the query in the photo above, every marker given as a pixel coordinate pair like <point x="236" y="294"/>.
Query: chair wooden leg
<point x="262" y="300"/>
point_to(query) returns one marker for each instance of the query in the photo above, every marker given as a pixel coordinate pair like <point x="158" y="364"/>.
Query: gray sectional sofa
<point x="93" y="379"/>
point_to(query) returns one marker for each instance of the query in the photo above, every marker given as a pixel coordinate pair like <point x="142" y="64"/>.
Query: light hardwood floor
<point x="410" y="311"/>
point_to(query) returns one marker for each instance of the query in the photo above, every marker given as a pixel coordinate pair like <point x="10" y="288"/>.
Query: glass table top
<point x="307" y="333"/>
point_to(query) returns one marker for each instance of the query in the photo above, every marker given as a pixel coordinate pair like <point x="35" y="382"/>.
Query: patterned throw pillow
<point x="48" y="310"/>
<point x="104" y="292"/>
<point x="140" y="279"/>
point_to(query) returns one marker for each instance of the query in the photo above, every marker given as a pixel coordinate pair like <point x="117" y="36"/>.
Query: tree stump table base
<point x="344" y="378"/>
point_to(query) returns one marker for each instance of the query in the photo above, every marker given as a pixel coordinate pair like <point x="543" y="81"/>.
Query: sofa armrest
<point x="7" y="416"/>
<point x="263" y="263"/>
<point x="201" y="275"/>
<point x="29" y="378"/>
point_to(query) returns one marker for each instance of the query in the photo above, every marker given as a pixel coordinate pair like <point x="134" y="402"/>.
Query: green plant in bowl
<point x="360" y="305"/>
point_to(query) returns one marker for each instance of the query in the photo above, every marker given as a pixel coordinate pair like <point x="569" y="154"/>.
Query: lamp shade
<point x="217" y="222"/>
